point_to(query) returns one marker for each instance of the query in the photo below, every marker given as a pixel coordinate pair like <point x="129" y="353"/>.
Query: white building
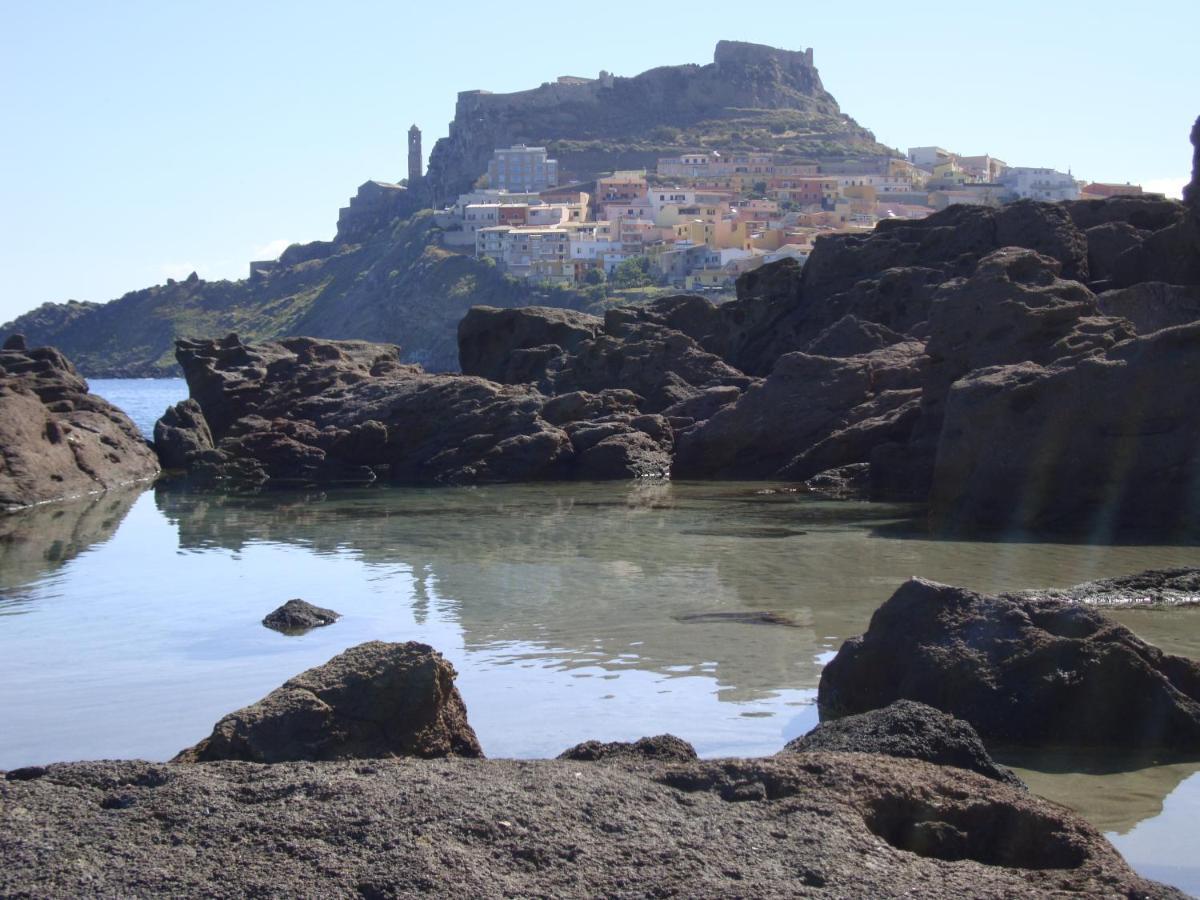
<point x="1040" y="184"/>
<point x="522" y="168"/>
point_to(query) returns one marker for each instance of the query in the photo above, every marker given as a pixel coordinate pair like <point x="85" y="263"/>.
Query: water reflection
<point x="571" y="612"/>
<point x="37" y="541"/>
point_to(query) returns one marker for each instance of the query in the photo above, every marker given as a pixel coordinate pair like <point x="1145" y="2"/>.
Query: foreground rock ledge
<point x="376" y="700"/>
<point x="813" y="824"/>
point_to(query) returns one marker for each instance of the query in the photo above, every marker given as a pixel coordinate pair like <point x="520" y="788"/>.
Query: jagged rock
<point x="372" y="701"/>
<point x="840" y="824"/>
<point x="1152" y="305"/>
<point x="57" y="439"/>
<point x="804" y="401"/>
<point x="851" y="336"/>
<point x="182" y="436"/>
<point x="1145" y="213"/>
<point x="909" y="730"/>
<point x="1020" y="671"/>
<point x="663" y="747"/>
<point x="15" y="342"/>
<point x="1013" y="307"/>
<point x="1100" y="445"/>
<point x="1154" y="588"/>
<point x="488" y="338"/>
<point x="304" y="411"/>
<point x="297" y="616"/>
<point x="1107" y="242"/>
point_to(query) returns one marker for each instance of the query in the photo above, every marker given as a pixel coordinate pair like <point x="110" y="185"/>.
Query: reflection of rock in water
<point x="1112" y="791"/>
<point x="593" y="575"/>
<point x="37" y="540"/>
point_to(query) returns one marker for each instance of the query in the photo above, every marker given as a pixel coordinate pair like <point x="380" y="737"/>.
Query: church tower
<point x="414" y="156"/>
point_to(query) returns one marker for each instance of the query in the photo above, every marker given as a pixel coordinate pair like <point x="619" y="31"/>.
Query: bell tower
<point x="414" y="156"/>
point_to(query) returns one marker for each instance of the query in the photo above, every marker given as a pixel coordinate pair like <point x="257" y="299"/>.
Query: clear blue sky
<point x="142" y="140"/>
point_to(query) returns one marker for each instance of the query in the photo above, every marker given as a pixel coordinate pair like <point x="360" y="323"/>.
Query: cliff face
<point x="749" y="97"/>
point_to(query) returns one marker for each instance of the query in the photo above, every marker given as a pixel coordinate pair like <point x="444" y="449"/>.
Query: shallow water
<point x="129" y="623"/>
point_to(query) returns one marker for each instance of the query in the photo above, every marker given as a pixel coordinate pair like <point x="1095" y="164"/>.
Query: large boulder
<point x="909" y="730"/>
<point x="375" y="700"/>
<point x="57" y="439"/>
<point x="1100" y="445"/>
<point x="1020" y="670"/>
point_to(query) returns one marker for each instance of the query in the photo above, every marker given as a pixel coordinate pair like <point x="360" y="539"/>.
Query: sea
<point x="130" y="621"/>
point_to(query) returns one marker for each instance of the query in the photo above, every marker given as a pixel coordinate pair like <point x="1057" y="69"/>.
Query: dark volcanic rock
<point x="298" y="615"/>
<point x="181" y="436"/>
<point x="1020" y="670"/>
<point x="844" y="824"/>
<point x="373" y="701"/>
<point x="488" y="338"/>
<point x="57" y="439"/>
<point x="1097" y="446"/>
<point x="909" y="730"/>
<point x="663" y="747"/>
<point x="1153" y="305"/>
<point x="300" y="411"/>
<point x="1191" y="192"/>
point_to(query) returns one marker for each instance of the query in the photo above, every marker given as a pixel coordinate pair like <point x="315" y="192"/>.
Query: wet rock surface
<point x="376" y="700"/>
<point x="1021" y="670"/>
<point x="298" y="616"/>
<point x="811" y="824"/>
<point x="909" y="730"/>
<point x="57" y="439"/>
<point x="660" y="747"/>
<point x="1156" y="588"/>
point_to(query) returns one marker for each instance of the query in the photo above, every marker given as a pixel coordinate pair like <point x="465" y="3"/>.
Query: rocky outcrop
<point x="298" y="616"/>
<point x="57" y="439"/>
<point x="182" y="436"/>
<point x="373" y="701"/>
<point x="1152" y="305"/>
<point x="305" y="411"/>
<point x="501" y="344"/>
<point x="663" y="747"/>
<point x="815" y="823"/>
<point x="1020" y="670"/>
<point x="908" y="730"/>
<point x="1191" y="192"/>
<point x="1101" y="445"/>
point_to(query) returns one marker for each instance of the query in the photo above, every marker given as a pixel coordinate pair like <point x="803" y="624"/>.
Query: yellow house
<point x="950" y="172"/>
<point x="864" y="192"/>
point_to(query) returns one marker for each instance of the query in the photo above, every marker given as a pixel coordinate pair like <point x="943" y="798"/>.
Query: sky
<point x="143" y="140"/>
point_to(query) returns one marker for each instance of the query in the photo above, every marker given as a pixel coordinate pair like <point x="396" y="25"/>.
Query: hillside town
<point x="699" y="220"/>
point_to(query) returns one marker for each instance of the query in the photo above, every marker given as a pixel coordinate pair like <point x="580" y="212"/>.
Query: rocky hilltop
<point x="749" y="97"/>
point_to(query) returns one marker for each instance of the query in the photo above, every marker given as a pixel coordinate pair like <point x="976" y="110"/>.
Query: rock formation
<point x="57" y="439"/>
<point x="297" y="616"/>
<point x="373" y="701"/>
<point x="1020" y="670"/>
<point x="908" y="730"/>
<point x="301" y="411"/>
<point x="844" y="824"/>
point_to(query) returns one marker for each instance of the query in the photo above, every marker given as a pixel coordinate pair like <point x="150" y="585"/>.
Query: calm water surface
<point x="129" y="623"/>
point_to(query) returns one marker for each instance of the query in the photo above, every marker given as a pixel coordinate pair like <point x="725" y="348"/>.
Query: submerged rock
<point x="849" y="825"/>
<point x="298" y="616"/>
<point x="909" y="730"/>
<point x="661" y="747"/>
<point x="373" y="701"/>
<point x="1021" y="671"/>
<point x="57" y="439"/>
